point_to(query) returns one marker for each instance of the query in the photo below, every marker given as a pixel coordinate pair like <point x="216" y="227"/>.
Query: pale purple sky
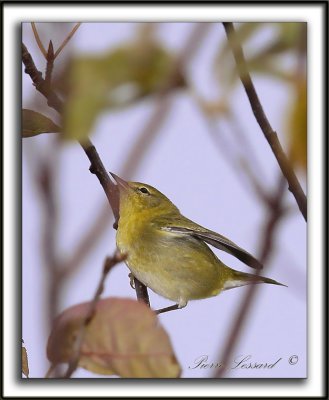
<point x="183" y="163"/>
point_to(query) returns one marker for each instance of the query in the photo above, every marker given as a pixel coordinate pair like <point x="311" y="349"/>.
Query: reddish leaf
<point x="124" y="338"/>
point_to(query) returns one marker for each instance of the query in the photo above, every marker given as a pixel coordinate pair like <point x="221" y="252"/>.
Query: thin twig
<point x="270" y="135"/>
<point x="276" y="213"/>
<point x="244" y="143"/>
<point x="46" y="179"/>
<point x="50" y="64"/>
<point x="50" y="370"/>
<point x="61" y="47"/>
<point x="38" y="40"/>
<point x="67" y="39"/>
<point x="231" y="159"/>
<point x="109" y="263"/>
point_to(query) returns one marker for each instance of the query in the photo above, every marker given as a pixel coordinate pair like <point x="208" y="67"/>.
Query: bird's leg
<point x="170" y="308"/>
<point x="179" y="305"/>
<point x="132" y="281"/>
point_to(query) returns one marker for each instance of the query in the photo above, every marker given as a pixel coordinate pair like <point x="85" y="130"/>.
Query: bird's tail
<point x="237" y="278"/>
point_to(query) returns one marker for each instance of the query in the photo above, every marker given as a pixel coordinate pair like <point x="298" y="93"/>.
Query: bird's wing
<point x="214" y="239"/>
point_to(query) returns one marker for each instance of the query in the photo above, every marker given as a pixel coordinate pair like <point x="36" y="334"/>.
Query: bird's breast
<point x="174" y="266"/>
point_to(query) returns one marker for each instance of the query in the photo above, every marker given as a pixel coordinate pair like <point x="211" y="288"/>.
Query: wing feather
<point x="218" y="241"/>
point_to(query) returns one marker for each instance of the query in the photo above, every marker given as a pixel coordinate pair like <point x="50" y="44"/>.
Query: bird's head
<point x="136" y="197"/>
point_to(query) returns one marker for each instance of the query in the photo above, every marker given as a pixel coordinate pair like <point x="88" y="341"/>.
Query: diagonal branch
<point x="67" y="39"/>
<point x="109" y="263"/>
<point x="38" y="40"/>
<point x="270" y="135"/>
<point x="97" y="166"/>
<point x="276" y="212"/>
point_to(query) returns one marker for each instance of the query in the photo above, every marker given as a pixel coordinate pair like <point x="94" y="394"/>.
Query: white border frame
<point x="13" y="15"/>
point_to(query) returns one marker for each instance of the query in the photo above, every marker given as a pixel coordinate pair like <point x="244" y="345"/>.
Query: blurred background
<point x="198" y="142"/>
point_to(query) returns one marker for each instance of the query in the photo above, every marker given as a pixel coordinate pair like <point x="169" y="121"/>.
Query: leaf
<point x="297" y="125"/>
<point x="34" y="123"/>
<point x="25" y="363"/>
<point x="113" y="80"/>
<point x="124" y="338"/>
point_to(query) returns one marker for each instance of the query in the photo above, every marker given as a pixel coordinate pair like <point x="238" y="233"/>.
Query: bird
<point x="170" y="253"/>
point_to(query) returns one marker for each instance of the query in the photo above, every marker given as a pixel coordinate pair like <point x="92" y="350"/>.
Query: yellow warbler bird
<point x="168" y="252"/>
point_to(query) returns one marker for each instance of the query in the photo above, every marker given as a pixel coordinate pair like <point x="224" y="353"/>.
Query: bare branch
<point x="97" y="166"/>
<point x="67" y="39"/>
<point x="276" y="212"/>
<point x="141" y="292"/>
<point x="270" y="135"/>
<point x="109" y="263"/>
<point x="235" y="160"/>
<point x="46" y="180"/>
<point x="38" y="40"/>
<point x="39" y="83"/>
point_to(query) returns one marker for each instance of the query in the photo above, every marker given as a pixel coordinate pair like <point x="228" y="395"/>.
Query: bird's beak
<point x="121" y="182"/>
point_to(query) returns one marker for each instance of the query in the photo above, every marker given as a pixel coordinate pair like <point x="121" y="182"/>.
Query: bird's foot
<point x="132" y="281"/>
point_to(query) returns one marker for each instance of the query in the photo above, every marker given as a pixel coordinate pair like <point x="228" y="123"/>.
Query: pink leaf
<point x="124" y="338"/>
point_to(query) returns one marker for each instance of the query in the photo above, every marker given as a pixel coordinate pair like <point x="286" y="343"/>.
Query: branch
<point x="269" y="133"/>
<point x="141" y="292"/>
<point x="61" y="47"/>
<point x="97" y="166"/>
<point x="45" y="179"/>
<point x="39" y="83"/>
<point x="109" y="263"/>
<point x="232" y="159"/>
<point x="276" y="213"/>
<point x="67" y="39"/>
<point x="38" y="40"/>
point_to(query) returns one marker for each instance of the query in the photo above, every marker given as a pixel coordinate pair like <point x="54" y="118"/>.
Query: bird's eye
<point x="144" y="190"/>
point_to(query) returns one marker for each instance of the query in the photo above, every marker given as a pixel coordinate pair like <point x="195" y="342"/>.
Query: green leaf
<point x="124" y="338"/>
<point x="94" y="84"/>
<point x="34" y="123"/>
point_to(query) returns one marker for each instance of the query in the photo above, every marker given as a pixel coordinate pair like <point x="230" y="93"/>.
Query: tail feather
<point x="237" y="278"/>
